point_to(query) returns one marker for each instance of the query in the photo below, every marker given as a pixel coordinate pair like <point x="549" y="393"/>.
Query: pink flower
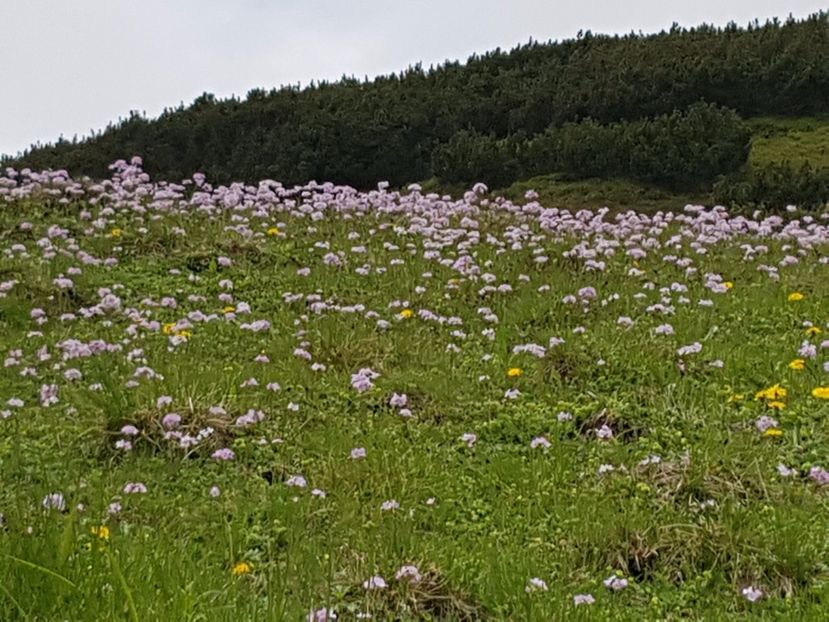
<point x="588" y="293"/>
<point x="615" y="583"/>
<point x="123" y="445"/>
<point x="362" y="380"/>
<point x="250" y="418"/>
<point x="604" y="432"/>
<point x="48" y="395"/>
<point x="375" y="583"/>
<point x="536" y="585"/>
<point x="54" y="501"/>
<point x="322" y="615"/>
<point x="694" y="348"/>
<point x="765" y="422"/>
<point x="409" y="574"/>
<point x="398" y="400"/>
<point x="224" y="454"/>
<point x="807" y="350"/>
<point x="819" y="475"/>
<point x="171" y="420"/>
<point x="752" y="594"/>
<point x="785" y="471"/>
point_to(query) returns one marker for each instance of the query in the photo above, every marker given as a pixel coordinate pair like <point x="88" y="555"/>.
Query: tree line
<point x="664" y="108"/>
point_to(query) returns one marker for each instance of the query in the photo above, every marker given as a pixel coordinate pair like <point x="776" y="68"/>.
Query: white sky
<point x="70" y="66"/>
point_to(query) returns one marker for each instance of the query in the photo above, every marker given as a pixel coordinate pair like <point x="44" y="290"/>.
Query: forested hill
<point x="512" y="109"/>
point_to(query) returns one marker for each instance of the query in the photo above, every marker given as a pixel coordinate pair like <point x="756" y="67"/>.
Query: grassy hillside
<point x="263" y="403"/>
<point x="797" y="141"/>
<point x="617" y="194"/>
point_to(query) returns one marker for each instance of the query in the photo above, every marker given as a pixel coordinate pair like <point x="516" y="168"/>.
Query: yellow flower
<point x="184" y="333"/>
<point x="514" y="372"/>
<point x="813" y="330"/>
<point x="796" y="297"/>
<point x="729" y="284"/>
<point x="169" y="328"/>
<point x="273" y="231"/>
<point x="797" y="365"/>
<point x="116" y="233"/>
<point x="777" y="405"/>
<point x="241" y="568"/>
<point x="229" y="309"/>
<point x="406" y="314"/>
<point x="737" y="397"/>
<point x="775" y="392"/>
<point x="102" y="532"/>
<point x="773" y="432"/>
<point x="821" y="393"/>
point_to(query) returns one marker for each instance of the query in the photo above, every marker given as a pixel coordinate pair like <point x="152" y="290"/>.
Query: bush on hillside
<point x="684" y="149"/>
<point x="775" y="186"/>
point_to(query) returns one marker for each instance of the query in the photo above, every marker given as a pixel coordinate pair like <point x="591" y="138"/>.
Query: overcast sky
<point x="70" y="66"/>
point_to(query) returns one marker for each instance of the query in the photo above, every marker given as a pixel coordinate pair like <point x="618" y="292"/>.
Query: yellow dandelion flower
<point x="169" y="328"/>
<point x="796" y="297"/>
<point x="273" y="231"/>
<point x="116" y="232"/>
<point x="777" y="405"/>
<point x="241" y="568"/>
<point x="729" y="284"/>
<point x="813" y="330"/>
<point x="229" y="309"/>
<point x="406" y="314"/>
<point x="514" y="372"/>
<point x="821" y="393"/>
<point x="773" y="432"/>
<point x="797" y="365"/>
<point x="185" y="333"/>
<point x="102" y="532"/>
<point x="775" y="392"/>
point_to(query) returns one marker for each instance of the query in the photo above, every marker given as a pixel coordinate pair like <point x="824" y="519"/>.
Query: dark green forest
<point x="667" y="109"/>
